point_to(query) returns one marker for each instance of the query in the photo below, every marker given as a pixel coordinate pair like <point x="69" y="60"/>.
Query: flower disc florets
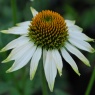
<point x="48" y="30"/>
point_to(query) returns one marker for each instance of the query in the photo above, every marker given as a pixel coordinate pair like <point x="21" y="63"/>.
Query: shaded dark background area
<point x="18" y="83"/>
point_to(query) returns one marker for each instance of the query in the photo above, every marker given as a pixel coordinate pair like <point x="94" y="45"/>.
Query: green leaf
<point x="4" y="88"/>
<point x="15" y="91"/>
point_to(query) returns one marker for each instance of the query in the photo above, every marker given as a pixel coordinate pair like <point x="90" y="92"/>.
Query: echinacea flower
<point x="48" y="34"/>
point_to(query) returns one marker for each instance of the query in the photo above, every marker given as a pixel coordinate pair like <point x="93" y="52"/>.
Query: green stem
<point x="24" y="79"/>
<point x="44" y="84"/>
<point x="14" y="8"/>
<point x="15" y="83"/>
<point x="92" y="79"/>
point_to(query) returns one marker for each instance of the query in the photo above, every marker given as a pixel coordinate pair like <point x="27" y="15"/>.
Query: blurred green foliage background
<point x="18" y="83"/>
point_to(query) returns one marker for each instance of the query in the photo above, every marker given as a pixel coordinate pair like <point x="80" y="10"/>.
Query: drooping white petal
<point x="44" y="55"/>
<point x="74" y="28"/>
<point x="34" y="62"/>
<point x="23" y="60"/>
<point x="50" y="70"/>
<point x="16" y="30"/>
<point x="77" y="53"/>
<point x="58" y="60"/>
<point x="34" y="12"/>
<point x="15" y="43"/>
<point x="79" y="36"/>
<point x="70" y="60"/>
<point x="24" y="24"/>
<point x="18" y="52"/>
<point x="81" y="44"/>
<point x="69" y="22"/>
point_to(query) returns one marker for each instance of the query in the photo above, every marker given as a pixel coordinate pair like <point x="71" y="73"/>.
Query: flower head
<point x="48" y="33"/>
<point x="48" y="30"/>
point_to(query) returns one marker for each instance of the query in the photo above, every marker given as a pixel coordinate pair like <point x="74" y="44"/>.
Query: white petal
<point x="23" y="60"/>
<point x="44" y="56"/>
<point x="77" y="53"/>
<point x="34" y="12"/>
<point x="50" y="70"/>
<point x="15" y="43"/>
<point x="24" y="24"/>
<point x="16" y="30"/>
<point x="69" y="22"/>
<point x="58" y="60"/>
<point x="70" y="60"/>
<point x="79" y="36"/>
<point x="81" y="44"/>
<point x="75" y="28"/>
<point x="18" y="52"/>
<point x="34" y="62"/>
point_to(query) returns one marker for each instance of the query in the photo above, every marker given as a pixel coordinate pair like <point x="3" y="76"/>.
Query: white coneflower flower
<point x="50" y="34"/>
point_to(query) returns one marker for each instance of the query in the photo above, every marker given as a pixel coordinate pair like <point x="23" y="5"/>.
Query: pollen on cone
<point x="48" y="30"/>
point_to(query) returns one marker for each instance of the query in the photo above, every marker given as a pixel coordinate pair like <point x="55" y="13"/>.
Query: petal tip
<point x="51" y="86"/>
<point x="5" y="61"/>
<point x="3" y="31"/>
<point x="2" y="50"/>
<point x="92" y="40"/>
<point x="8" y="71"/>
<point x="92" y="50"/>
<point x="89" y="65"/>
<point x="31" y="77"/>
<point x="34" y="12"/>
<point x="60" y="74"/>
<point x="31" y="8"/>
<point x="78" y="73"/>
